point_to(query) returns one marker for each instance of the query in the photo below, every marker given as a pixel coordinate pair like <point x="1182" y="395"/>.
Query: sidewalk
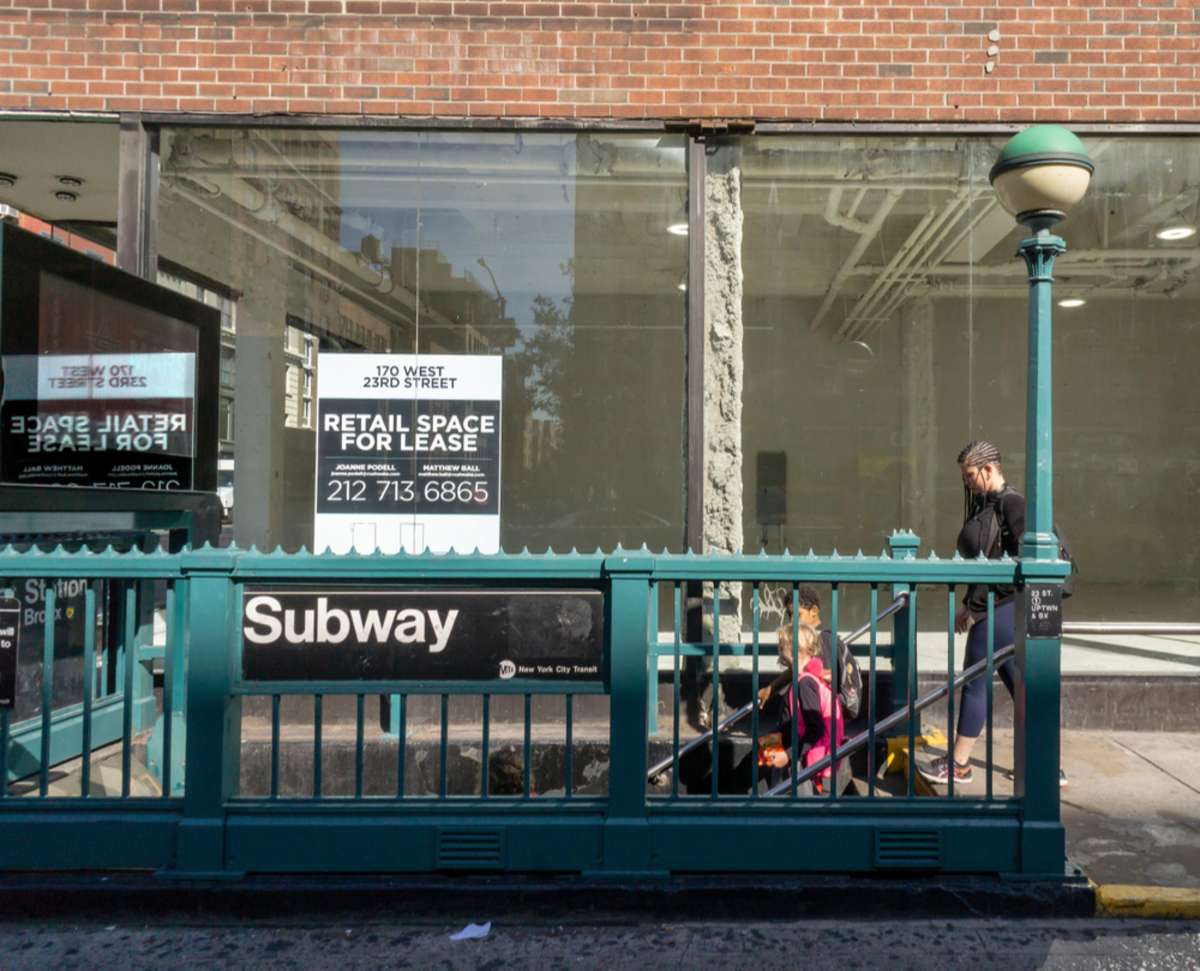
<point x="1131" y="807"/>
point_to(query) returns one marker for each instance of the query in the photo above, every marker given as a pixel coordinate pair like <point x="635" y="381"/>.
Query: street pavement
<point x="708" y="943"/>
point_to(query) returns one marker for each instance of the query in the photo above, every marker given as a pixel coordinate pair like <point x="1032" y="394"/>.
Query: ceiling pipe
<point x="885" y="206"/>
<point x="898" y="273"/>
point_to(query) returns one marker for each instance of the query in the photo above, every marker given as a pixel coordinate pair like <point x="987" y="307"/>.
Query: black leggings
<point x="972" y="712"/>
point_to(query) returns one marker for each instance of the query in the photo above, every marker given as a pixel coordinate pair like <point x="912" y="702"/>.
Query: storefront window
<point x="884" y="326"/>
<point x="549" y="250"/>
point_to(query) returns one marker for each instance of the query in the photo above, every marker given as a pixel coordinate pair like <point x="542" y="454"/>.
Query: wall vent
<point x="470" y="849"/>
<point x="908" y="849"/>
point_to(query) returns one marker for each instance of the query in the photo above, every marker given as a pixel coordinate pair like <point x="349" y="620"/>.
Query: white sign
<point x="408" y="453"/>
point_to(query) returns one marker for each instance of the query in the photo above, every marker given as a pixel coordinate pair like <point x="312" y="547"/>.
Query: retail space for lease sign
<point x="408" y="453"/>
<point x="116" y="420"/>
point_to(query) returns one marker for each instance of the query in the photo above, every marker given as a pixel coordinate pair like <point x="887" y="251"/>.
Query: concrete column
<point x="259" y="401"/>
<point x="723" y="373"/>
<point x="920" y="463"/>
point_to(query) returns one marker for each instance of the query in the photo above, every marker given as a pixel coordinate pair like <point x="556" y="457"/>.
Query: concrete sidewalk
<point x="1131" y="807"/>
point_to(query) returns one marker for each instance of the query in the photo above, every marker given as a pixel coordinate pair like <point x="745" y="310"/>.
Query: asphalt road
<point x="973" y="944"/>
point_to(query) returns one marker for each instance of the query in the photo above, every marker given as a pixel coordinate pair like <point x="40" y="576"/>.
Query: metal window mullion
<point x="697" y="166"/>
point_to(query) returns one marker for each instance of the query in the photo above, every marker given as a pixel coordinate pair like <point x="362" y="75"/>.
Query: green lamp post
<point x="1041" y="173"/>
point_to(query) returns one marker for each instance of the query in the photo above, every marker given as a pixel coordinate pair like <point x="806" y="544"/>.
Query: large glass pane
<point x="884" y="319"/>
<point x="550" y="250"/>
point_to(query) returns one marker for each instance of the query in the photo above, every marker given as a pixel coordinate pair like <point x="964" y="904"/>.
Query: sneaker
<point x="938" y="771"/>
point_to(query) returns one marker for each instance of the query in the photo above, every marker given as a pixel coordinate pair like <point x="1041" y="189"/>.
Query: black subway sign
<point x="337" y="634"/>
<point x="10" y="626"/>
<point x="1043" y="610"/>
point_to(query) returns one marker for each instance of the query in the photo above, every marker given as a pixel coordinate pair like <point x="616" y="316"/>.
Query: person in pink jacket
<point x="820" y="712"/>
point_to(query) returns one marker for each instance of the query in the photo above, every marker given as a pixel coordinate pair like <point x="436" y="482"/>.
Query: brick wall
<point x="1078" y="60"/>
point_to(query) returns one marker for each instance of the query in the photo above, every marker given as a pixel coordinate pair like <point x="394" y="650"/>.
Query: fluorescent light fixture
<point x="1172" y="234"/>
<point x="678" y="229"/>
<point x="1069" y="303"/>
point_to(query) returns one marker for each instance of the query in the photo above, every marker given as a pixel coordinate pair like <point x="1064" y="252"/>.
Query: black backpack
<point x="849" y="675"/>
<point x="995" y="537"/>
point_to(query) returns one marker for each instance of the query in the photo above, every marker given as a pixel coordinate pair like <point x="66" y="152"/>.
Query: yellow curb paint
<point x="1125" y="900"/>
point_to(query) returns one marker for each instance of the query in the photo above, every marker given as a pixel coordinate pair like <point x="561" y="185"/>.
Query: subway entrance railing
<point x="209" y="773"/>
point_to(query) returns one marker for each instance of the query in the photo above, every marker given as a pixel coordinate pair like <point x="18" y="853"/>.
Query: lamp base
<point x="1040" y="219"/>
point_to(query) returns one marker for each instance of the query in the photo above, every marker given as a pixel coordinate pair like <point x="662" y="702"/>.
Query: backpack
<point x="995" y="537"/>
<point x="849" y="675"/>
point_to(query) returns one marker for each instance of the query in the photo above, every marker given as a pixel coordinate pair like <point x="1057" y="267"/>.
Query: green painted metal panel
<point x="381" y="842"/>
<point x="98" y="838"/>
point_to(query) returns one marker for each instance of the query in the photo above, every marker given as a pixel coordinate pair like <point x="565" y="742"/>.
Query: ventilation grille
<point x="470" y="849"/>
<point x="908" y="848"/>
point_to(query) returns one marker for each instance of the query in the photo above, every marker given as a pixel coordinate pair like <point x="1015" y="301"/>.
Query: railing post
<point x="903" y="544"/>
<point x="213" y="715"/>
<point x="628" y="847"/>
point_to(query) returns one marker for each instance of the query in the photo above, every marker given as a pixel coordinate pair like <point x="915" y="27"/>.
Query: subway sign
<point x="337" y="634"/>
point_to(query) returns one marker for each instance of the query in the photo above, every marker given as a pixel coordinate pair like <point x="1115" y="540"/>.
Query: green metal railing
<point x="211" y="818"/>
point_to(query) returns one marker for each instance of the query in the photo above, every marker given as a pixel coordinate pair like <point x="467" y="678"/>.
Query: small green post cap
<point x="1041" y="145"/>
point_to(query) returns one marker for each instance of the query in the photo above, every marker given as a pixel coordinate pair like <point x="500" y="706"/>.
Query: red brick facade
<point x="1079" y="60"/>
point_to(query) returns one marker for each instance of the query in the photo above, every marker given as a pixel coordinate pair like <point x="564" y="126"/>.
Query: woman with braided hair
<point x="988" y="502"/>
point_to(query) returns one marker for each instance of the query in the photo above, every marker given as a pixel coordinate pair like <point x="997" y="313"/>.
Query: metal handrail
<point x="860" y="740"/>
<point x="659" y="768"/>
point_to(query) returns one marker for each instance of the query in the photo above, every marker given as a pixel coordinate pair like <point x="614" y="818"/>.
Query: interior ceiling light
<point x="1174" y="233"/>
<point x="682" y="285"/>
<point x="678" y="229"/>
<point x="71" y="181"/>
<point x="1071" y="302"/>
<point x="64" y="196"/>
<point x="7" y="180"/>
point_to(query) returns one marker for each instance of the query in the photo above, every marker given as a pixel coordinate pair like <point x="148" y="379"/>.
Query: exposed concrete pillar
<point x="259" y="401"/>
<point x="920" y="466"/>
<point x="723" y="372"/>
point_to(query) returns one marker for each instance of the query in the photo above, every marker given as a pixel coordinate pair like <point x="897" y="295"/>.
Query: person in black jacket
<point x="994" y="522"/>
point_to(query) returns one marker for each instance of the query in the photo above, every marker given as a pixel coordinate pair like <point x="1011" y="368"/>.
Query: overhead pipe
<point x="858" y="321"/>
<point x="885" y="207"/>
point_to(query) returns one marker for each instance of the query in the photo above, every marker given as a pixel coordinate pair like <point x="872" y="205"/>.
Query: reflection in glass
<point x="551" y="250"/>
<point x="885" y="326"/>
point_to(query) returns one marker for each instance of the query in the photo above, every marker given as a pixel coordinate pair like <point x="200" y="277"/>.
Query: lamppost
<point x="1041" y="173"/>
